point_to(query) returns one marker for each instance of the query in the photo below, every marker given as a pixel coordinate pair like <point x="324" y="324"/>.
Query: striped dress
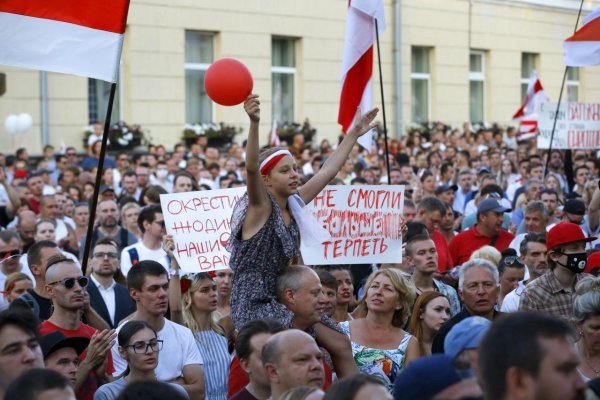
<point x="215" y="353"/>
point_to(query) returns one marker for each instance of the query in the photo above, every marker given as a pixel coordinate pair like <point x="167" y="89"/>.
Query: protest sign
<point x="577" y="126"/>
<point x="364" y="224"/>
<point x="200" y="225"/>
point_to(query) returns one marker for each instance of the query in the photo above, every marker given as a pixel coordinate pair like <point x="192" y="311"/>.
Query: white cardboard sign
<point x="577" y="126"/>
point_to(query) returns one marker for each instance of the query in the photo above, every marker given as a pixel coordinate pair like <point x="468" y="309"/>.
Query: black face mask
<point x="575" y="262"/>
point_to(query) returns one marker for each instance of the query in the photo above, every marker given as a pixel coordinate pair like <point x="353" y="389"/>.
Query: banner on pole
<point x="364" y="223"/>
<point x="577" y="126"/>
<point x="200" y="225"/>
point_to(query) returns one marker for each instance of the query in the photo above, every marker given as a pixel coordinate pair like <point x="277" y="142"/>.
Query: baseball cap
<point x="106" y="188"/>
<point x="485" y="169"/>
<point x="492" y="205"/>
<point x="467" y="334"/>
<point x="574" y="206"/>
<point x="21" y="174"/>
<point x="56" y="340"/>
<point x="565" y="232"/>
<point x="444" y="188"/>
<point x="426" y="377"/>
<point x="593" y="262"/>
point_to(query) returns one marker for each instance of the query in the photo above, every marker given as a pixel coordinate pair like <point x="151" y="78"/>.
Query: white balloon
<point x="24" y="122"/>
<point x="11" y="124"/>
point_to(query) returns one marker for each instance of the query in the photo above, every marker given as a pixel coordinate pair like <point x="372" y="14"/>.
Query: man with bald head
<point x="26" y="227"/>
<point x="66" y="286"/>
<point x="299" y="289"/>
<point x="291" y="359"/>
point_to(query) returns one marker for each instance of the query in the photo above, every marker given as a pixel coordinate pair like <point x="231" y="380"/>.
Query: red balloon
<point x="228" y="82"/>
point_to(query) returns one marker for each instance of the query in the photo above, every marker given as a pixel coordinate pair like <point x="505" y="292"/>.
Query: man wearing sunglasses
<point x="10" y="251"/>
<point x="152" y="225"/>
<point x="67" y="289"/>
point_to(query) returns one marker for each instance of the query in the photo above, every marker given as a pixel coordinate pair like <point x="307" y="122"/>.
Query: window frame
<point x="422" y="76"/>
<point x="478" y="77"/>
<point x="203" y="67"/>
<point x="283" y="70"/>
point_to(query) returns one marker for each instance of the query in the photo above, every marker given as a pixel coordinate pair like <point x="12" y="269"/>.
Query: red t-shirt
<point x="91" y="385"/>
<point x="466" y="242"/>
<point x="444" y="257"/>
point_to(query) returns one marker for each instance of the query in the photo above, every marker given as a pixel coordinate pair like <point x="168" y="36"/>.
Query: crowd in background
<point x="497" y="230"/>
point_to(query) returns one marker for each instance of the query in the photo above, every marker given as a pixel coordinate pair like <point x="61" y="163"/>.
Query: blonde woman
<point x="489" y="253"/>
<point x="15" y="285"/>
<point x="194" y="304"/>
<point x="380" y="346"/>
<point x="129" y="216"/>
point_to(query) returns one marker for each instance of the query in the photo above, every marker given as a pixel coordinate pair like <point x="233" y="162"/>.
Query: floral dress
<point x="383" y="364"/>
<point x="257" y="262"/>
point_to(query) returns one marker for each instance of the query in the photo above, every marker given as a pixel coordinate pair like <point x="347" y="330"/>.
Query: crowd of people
<point x="496" y="295"/>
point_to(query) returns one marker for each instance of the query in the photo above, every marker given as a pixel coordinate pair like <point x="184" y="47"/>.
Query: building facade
<point x="442" y="60"/>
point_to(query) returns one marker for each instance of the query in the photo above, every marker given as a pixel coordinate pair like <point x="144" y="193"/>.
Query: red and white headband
<point x="267" y="165"/>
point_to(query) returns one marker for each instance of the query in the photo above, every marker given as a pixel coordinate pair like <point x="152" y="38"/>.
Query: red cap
<point x="565" y="232"/>
<point x="593" y="262"/>
<point x="20" y="174"/>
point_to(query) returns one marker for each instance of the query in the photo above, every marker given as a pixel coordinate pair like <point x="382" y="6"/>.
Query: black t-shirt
<point x="243" y="394"/>
<point x="44" y="305"/>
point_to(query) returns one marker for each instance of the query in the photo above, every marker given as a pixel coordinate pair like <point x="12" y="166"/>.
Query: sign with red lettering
<point x="577" y="126"/>
<point x="364" y="223"/>
<point x="199" y="223"/>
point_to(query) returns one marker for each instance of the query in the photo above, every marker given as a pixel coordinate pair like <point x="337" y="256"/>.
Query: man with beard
<point x="110" y="299"/>
<point x="108" y="227"/>
<point x="533" y="255"/>
<point x="66" y="286"/>
<point x="26" y="227"/>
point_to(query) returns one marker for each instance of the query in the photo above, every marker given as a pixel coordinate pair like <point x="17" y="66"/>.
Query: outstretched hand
<point x="363" y="123"/>
<point x="252" y="107"/>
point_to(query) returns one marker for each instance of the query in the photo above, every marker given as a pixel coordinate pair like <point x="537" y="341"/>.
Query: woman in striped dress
<point x="199" y="300"/>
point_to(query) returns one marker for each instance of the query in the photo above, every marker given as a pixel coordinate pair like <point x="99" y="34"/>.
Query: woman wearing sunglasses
<point x="139" y="346"/>
<point x="266" y="225"/>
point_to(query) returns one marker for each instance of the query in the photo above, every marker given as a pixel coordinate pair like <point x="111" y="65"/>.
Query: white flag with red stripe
<point x="79" y="37"/>
<point x="357" y="64"/>
<point x="583" y="48"/>
<point x="528" y="128"/>
<point x="535" y="95"/>
<point x="274" y="135"/>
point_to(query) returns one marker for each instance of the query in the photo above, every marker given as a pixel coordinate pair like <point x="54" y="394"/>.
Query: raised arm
<point x="175" y="303"/>
<point x="259" y="205"/>
<point x="362" y="124"/>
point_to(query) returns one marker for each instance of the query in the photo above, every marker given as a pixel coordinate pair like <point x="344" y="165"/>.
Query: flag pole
<point x="90" y="228"/>
<point x="562" y="86"/>
<point x="385" y="135"/>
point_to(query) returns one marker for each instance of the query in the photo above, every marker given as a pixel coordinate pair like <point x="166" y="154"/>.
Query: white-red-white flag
<point x="79" y="37"/>
<point x="275" y="135"/>
<point x="535" y="95"/>
<point x="583" y="48"/>
<point x="357" y="64"/>
<point x="528" y="128"/>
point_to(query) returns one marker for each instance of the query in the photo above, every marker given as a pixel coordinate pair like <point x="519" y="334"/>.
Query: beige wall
<point x="152" y="72"/>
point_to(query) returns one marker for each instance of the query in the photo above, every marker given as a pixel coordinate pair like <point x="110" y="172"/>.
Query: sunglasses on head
<point x="186" y="281"/>
<point x="69" y="283"/>
<point x="9" y="253"/>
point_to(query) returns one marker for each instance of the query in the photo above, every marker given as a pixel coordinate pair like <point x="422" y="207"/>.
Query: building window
<point x="420" y="82"/>
<point x="283" y="75"/>
<point x="573" y="84"/>
<point x="477" y="86"/>
<point x="529" y="63"/>
<point x="198" y="57"/>
<point x="98" y="94"/>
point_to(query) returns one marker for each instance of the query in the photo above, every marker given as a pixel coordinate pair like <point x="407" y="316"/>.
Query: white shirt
<point x="144" y="253"/>
<point x="108" y="295"/>
<point x="512" y="299"/>
<point x="179" y="349"/>
<point x="25" y="265"/>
